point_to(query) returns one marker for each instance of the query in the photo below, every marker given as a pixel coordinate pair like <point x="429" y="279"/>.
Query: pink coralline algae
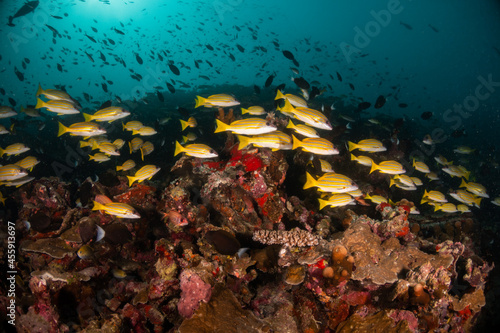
<point x="194" y="291"/>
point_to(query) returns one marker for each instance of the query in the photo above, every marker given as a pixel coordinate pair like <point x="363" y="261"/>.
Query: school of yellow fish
<point x="335" y="189"/>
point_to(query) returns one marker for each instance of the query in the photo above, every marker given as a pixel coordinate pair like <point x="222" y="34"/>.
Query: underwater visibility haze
<point x="247" y="166"/>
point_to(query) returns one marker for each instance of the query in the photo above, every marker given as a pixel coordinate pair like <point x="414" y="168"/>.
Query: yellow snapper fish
<point x="61" y="107"/>
<point x="11" y="172"/>
<point x="108" y="148"/>
<point x="465" y="197"/>
<point x="132" y="125"/>
<point x="135" y="144"/>
<point x="337" y="200"/>
<point x="417" y="181"/>
<point x="355" y="193"/>
<point x="119" y="143"/>
<point x="195" y="150"/>
<point x="99" y="157"/>
<point x="475" y="188"/>
<point x="254" y="111"/>
<point x="94" y="142"/>
<point x="376" y="199"/>
<point x="55" y="95"/>
<point x="293" y="99"/>
<point x="456" y="171"/>
<point x="496" y="201"/>
<point x="275" y="140"/>
<point x="405" y="180"/>
<point x="144" y="131"/>
<point x="248" y="126"/>
<point x="464" y="150"/>
<point x="146" y="172"/>
<point x="117" y="209"/>
<point x="221" y="100"/>
<point x="146" y="149"/>
<point x="432" y="175"/>
<point x="447" y="208"/>
<point x="325" y="166"/>
<point x="421" y="166"/>
<point x="85" y="129"/>
<point x="442" y="160"/>
<point x="463" y="208"/>
<point x="434" y="196"/>
<point x="3" y="130"/>
<point x="368" y="145"/>
<point x="6" y="112"/>
<point x="303" y="129"/>
<point x="388" y="167"/>
<point x="108" y="114"/>
<point x="312" y="117"/>
<point x="17" y="182"/>
<point x="318" y="146"/>
<point x="190" y="137"/>
<point x="331" y="183"/>
<point x="14" y="149"/>
<point x="363" y="160"/>
<point x="191" y="122"/>
<point x="428" y="140"/>
<point x="127" y="165"/>
<point x="28" y="163"/>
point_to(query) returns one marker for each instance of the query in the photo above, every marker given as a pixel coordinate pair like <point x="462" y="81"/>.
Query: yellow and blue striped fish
<point x="11" y="172"/>
<point x="318" y="146"/>
<point x="85" y="129"/>
<point x="331" y="183"/>
<point x="368" y="145"/>
<point x="293" y="99"/>
<point x="475" y="188"/>
<point x="388" y="167"/>
<point x="28" y="163"/>
<point x="14" y="149"/>
<point x="108" y="148"/>
<point x="60" y="107"/>
<point x="363" y="160"/>
<point x="376" y="199"/>
<point x="146" y="149"/>
<point x="195" y="150"/>
<point x="221" y="100"/>
<point x="132" y="125"/>
<point x="337" y="200"/>
<point x="254" y="110"/>
<point x="146" y="172"/>
<point x="303" y="129"/>
<point x="421" y="166"/>
<point x="248" y="126"/>
<point x="54" y="94"/>
<point x="435" y="196"/>
<point x="191" y="122"/>
<point x="135" y="144"/>
<point x="117" y="209"/>
<point x="446" y="207"/>
<point x="467" y="198"/>
<point x="99" y="157"/>
<point x="6" y="112"/>
<point x="312" y="117"/>
<point x="325" y="166"/>
<point x="457" y="171"/>
<point x="17" y="182"/>
<point x="127" y="165"/>
<point x="108" y="114"/>
<point x="144" y="131"/>
<point x="275" y="140"/>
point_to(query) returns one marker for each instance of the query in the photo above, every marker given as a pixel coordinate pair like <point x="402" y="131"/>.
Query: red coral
<point x="251" y="162"/>
<point x="403" y="232"/>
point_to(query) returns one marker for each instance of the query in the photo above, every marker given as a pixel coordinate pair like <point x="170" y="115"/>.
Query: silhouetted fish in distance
<point x="24" y="10"/>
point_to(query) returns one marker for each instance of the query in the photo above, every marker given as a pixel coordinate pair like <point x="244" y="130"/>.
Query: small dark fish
<point x="59" y="68"/>
<point x="160" y="96"/>
<point x="223" y="242"/>
<point x="101" y="55"/>
<point x="104" y="87"/>
<point x="301" y="83"/>
<point x="280" y="87"/>
<point x="89" y="56"/>
<point x="426" y="115"/>
<point x="118" y="31"/>
<point x="112" y="42"/>
<point x="87" y="96"/>
<point x="314" y="92"/>
<point x="94" y="29"/>
<point x="269" y="80"/>
<point x="104" y="105"/>
<point x="12" y="101"/>
<point x="403" y="105"/>
<point x="406" y="25"/>
<point x="433" y="28"/>
<point x="196" y="64"/>
<point x="174" y="69"/>
<point x="171" y="88"/>
<point x="339" y="77"/>
<point x="363" y="106"/>
<point x="380" y="102"/>
<point x="2" y="91"/>
<point x="19" y="75"/>
<point x="210" y="47"/>
<point x="139" y="59"/>
<point x="27" y="8"/>
<point x="231" y="56"/>
<point x="288" y="55"/>
<point x="209" y="63"/>
<point x="296" y="63"/>
<point x="352" y="86"/>
<point x="91" y="38"/>
<point x="57" y="17"/>
<point x="241" y="48"/>
<point x="256" y="89"/>
<point x="183" y="111"/>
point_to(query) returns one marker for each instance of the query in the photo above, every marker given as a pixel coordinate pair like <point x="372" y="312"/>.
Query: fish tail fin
<point x="62" y="129"/>
<point x="142" y="153"/>
<point x="425" y="193"/>
<point x="351" y="145"/>
<point x="1" y="152"/>
<point x="134" y="132"/>
<point x="243" y="110"/>
<point x="184" y="124"/>
<point x="477" y="201"/>
<point x="221" y="127"/>
<point x="123" y="125"/>
<point x="290" y="123"/>
<point x="392" y="182"/>
<point x="353" y="158"/>
<point x="279" y="95"/>
<point x="423" y="201"/>
<point x="199" y="101"/>
<point x="39" y="103"/>
<point x="98" y="206"/>
<point x="131" y="180"/>
<point x="296" y="142"/>
<point x="310" y="181"/>
<point x="88" y="117"/>
<point x="83" y="144"/>
<point x="463" y="184"/>
<point x="39" y="91"/>
<point x="244" y="141"/>
<point x="119" y="167"/>
<point x="178" y="148"/>
<point x="322" y="204"/>
<point x="184" y="139"/>
<point x="437" y="207"/>
<point x="91" y="157"/>
<point x="413" y="164"/>
<point x="130" y="146"/>
<point x="374" y="167"/>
